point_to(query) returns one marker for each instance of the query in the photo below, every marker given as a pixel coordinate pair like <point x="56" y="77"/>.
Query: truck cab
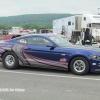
<point x="93" y="23"/>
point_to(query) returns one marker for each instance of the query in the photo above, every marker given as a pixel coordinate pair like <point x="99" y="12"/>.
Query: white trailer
<point x="74" y="26"/>
<point x="15" y="30"/>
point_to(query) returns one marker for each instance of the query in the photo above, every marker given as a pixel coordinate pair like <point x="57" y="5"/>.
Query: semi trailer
<point x="75" y="27"/>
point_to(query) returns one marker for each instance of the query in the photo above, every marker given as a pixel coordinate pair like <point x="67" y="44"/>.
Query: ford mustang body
<point x="49" y="51"/>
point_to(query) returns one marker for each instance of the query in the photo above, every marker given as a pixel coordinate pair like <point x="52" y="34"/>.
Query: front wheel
<point x="10" y="60"/>
<point x="79" y="66"/>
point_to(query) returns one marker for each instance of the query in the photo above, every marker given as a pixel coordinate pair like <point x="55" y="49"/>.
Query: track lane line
<point x="48" y="75"/>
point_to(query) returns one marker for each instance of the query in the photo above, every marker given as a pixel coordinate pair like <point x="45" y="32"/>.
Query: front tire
<point x="10" y="60"/>
<point x="79" y="66"/>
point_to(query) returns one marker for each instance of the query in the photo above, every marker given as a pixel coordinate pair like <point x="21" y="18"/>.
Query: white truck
<point x="74" y="27"/>
<point x="15" y="30"/>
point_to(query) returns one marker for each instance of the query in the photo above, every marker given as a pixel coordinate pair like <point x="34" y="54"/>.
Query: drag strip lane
<point x="49" y="75"/>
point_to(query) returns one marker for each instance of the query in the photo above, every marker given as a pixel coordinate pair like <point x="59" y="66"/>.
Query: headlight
<point x="95" y="57"/>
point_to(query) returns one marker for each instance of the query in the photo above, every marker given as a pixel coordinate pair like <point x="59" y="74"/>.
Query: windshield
<point x="96" y="25"/>
<point x="60" y="41"/>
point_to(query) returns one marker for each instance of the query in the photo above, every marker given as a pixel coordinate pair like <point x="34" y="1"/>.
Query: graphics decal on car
<point x="4" y="48"/>
<point x="18" y="50"/>
<point x="27" y="59"/>
<point x="45" y="61"/>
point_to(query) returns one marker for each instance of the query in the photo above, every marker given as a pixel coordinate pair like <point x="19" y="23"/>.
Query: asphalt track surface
<point x="27" y="83"/>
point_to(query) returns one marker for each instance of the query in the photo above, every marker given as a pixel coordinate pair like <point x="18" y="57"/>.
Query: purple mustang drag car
<point x="49" y="51"/>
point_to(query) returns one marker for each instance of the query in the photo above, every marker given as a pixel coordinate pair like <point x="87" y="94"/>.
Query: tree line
<point x="30" y="21"/>
<point x="27" y="26"/>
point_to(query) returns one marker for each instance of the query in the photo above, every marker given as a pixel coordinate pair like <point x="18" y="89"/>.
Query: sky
<point x="20" y="7"/>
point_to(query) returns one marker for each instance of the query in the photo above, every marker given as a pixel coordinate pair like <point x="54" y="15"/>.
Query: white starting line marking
<point x="48" y="75"/>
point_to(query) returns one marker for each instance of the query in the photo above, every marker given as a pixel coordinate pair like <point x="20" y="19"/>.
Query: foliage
<point x="2" y="26"/>
<point x="30" y="26"/>
<point x="30" y="21"/>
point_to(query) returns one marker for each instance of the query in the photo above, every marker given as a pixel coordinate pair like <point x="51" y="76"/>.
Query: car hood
<point x="80" y="49"/>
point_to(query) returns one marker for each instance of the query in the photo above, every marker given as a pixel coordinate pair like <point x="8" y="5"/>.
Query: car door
<point x="39" y="54"/>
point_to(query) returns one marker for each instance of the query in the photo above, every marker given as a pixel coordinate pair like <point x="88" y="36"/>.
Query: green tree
<point x="2" y="26"/>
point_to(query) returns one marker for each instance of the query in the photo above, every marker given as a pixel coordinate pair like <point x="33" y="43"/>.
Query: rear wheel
<point x="10" y="60"/>
<point x="79" y="66"/>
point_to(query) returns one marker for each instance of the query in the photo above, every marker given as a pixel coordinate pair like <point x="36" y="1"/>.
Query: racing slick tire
<point x="79" y="66"/>
<point x="10" y="60"/>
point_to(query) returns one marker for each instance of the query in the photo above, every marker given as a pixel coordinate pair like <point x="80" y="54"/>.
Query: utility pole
<point x="5" y="31"/>
<point x="45" y="30"/>
<point x="8" y="26"/>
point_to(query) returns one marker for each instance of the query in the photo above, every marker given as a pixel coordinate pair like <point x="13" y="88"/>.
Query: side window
<point x="84" y="19"/>
<point x="22" y="41"/>
<point x="89" y="25"/>
<point x="38" y="41"/>
<point x="14" y="36"/>
<point x="69" y="23"/>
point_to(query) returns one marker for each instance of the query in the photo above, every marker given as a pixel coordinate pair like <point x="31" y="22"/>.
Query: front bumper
<point x="97" y="69"/>
<point x="95" y="65"/>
